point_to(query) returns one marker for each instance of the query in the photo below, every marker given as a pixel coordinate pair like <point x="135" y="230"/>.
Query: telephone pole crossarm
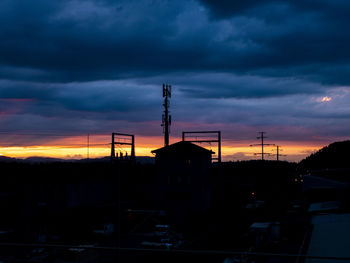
<point x="262" y="144"/>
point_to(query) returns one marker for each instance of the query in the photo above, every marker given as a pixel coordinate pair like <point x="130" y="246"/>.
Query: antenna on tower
<point x="166" y="118"/>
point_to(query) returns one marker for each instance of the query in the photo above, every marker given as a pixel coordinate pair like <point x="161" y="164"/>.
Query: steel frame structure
<point x="218" y="140"/>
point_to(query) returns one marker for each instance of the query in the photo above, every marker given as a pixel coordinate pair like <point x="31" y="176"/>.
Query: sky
<point x="70" y="68"/>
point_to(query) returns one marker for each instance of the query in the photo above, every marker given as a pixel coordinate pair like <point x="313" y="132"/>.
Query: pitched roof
<point x="182" y="146"/>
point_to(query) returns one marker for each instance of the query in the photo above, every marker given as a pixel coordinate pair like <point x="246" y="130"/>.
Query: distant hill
<point x="6" y="159"/>
<point x="139" y="159"/>
<point x="43" y="160"/>
<point x="333" y="156"/>
<point x="36" y="159"/>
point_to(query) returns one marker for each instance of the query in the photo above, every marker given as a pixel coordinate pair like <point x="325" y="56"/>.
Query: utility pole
<point x="262" y="144"/>
<point x="113" y="148"/>
<point x="88" y="146"/>
<point x="166" y="118"/>
<point x="278" y="153"/>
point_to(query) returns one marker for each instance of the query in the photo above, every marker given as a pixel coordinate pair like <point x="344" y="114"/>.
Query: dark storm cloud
<point x="98" y="96"/>
<point x="90" y="65"/>
<point x="80" y="40"/>
<point x="227" y="8"/>
<point x="305" y="39"/>
<point x="231" y="86"/>
<point x="64" y="41"/>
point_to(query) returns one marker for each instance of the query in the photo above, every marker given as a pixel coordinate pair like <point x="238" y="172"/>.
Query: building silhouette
<point x="183" y="174"/>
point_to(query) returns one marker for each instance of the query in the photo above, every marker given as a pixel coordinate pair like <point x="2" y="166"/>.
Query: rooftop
<point x="182" y="146"/>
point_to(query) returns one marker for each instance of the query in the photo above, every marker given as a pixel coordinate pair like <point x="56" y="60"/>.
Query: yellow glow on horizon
<point x="76" y="147"/>
<point x="292" y="152"/>
<point x="67" y="152"/>
<point x="229" y="153"/>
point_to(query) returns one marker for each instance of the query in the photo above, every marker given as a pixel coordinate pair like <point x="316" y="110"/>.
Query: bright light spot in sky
<point x="325" y="99"/>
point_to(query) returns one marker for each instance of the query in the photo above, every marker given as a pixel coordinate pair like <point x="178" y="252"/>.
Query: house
<point x="183" y="171"/>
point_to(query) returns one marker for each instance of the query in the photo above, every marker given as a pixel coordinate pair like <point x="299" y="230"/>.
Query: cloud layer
<point x="77" y="66"/>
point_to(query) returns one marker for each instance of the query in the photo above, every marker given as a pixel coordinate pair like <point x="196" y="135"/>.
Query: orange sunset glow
<point x="96" y="146"/>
